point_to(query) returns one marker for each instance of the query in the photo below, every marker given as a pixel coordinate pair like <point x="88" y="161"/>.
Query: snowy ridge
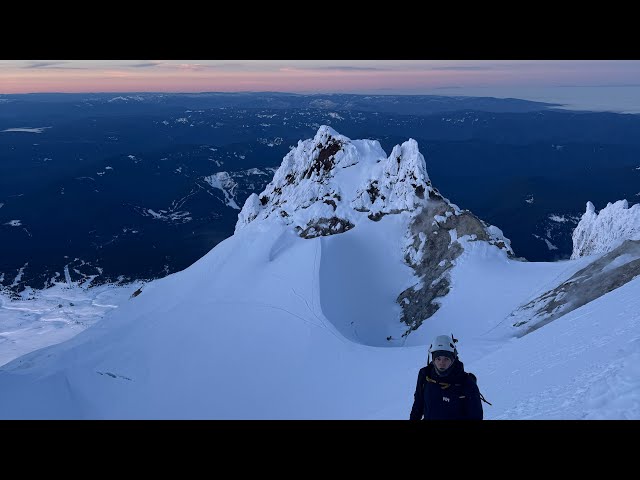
<point x="602" y="232"/>
<point x="136" y="98"/>
<point x="224" y="182"/>
<point x="231" y="184"/>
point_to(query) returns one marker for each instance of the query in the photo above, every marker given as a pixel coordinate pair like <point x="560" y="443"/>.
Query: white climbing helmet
<point x="444" y="343"/>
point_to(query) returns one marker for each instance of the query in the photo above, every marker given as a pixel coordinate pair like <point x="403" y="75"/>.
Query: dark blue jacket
<point x="453" y="397"/>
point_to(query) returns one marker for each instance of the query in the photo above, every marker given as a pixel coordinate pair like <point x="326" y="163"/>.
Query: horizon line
<point x="271" y="92"/>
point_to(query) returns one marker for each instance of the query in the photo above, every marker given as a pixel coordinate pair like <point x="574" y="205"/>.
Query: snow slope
<point x="269" y="325"/>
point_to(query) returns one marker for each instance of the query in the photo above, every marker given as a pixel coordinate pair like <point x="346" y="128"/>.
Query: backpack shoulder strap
<point x="475" y="380"/>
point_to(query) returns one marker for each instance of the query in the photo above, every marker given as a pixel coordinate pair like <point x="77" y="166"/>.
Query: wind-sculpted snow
<point x="598" y="233"/>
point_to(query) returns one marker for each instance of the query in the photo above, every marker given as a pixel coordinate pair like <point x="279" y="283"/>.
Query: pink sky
<point x="305" y="76"/>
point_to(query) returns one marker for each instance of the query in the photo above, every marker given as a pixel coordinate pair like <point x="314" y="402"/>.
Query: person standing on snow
<point x="444" y="391"/>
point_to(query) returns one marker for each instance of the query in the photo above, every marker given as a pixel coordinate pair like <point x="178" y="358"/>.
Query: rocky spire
<point x="329" y="183"/>
<point x="604" y="231"/>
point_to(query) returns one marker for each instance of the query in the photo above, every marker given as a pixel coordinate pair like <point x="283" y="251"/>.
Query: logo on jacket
<point x="446" y="399"/>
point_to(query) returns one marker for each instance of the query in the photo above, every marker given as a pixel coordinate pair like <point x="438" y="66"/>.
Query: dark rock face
<point x="322" y="161"/>
<point x="325" y="159"/>
<point x="598" y="278"/>
<point x="325" y="226"/>
<point x="375" y="217"/>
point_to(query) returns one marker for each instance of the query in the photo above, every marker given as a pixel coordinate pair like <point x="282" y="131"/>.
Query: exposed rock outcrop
<point x="603" y="275"/>
<point x="326" y="185"/>
<point x="431" y="249"/>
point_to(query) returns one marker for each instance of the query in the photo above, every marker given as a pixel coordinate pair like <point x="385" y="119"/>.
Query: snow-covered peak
<point x="604" y="231"/>
<point x="330" y="183"/>
<point x="326" y="133"/>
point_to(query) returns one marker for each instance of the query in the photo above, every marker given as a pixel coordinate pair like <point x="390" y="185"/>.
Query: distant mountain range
<point x="395" y="104"/>
<point x="136" y="186"/>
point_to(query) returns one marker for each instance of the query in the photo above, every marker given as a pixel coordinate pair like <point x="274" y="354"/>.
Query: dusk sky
<point x="308" y="76"/>
<point x="602" y="85"/>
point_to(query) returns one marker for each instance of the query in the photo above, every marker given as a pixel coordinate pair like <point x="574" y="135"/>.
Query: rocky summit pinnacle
<point x="329" y="184"/>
